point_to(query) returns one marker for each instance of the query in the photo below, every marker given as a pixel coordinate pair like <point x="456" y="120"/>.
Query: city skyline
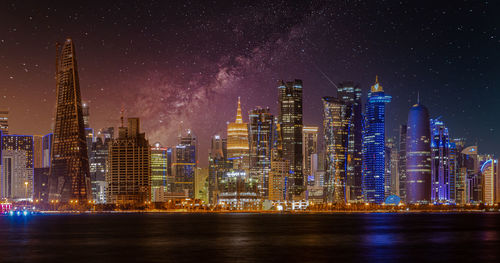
<point x="144" y="72"/>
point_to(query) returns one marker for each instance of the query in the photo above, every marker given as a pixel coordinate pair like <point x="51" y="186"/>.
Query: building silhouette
<point x="69" y="171"/>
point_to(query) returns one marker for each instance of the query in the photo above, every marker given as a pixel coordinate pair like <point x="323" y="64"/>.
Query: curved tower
<point x="418" y="155"/>
<point x="69" y="172"/>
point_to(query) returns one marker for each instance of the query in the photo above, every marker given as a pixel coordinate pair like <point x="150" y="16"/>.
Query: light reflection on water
<point x="250" y="237"/>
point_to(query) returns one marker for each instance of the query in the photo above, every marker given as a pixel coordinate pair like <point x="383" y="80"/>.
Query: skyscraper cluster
<point x="259" y="162"/>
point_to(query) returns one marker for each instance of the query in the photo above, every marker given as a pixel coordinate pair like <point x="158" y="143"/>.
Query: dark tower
<point x="418" y="155"/>
<point x="290" y="120"/>
<point x="69" y="172"/>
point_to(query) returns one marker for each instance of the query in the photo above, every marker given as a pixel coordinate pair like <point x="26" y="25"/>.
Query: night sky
<point x="166" y="61"/>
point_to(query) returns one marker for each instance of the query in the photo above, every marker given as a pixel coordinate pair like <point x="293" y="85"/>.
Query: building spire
<point x="377" y="87"/>
<point x="239" y="118"/>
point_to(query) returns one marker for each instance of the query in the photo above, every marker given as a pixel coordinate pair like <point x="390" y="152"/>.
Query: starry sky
<point x="169" y="62"/>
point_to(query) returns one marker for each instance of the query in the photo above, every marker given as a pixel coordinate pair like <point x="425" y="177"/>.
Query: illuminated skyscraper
<point x="350" y="93"/>
<point x="261" y="125"/>
<point x="159" y="172"/>
<point x="218" y="165"/>
<point x="309" y="148"/>
<point x="290" y="120"/>
<point x="442" y="174"/>
<point x="128" y="173"/>
<point x="184" y="165"/>
<point x="391" y="173"/>
<point x="490" y="173"/>
<point x="237" y="141"/>
<point x="98" y="163"/>
<point x="460" y="171"/>
<point x="69" y="173"/>
<point x="17" y="166"/>
<point x="374" y="145"/>
<point x="4" y="120"/>
<point x="470" y="174"/>
<point x="337" y="115"/>
<point x="402" y="162"/>
<point x="418" y="156"/>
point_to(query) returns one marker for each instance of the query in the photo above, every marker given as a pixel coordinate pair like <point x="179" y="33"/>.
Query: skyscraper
<point x="336" y="119"/>
<point x="490" y="174"/>
<point x="159" y="172"/>
<point x="17" y="166"/>
<point x="290" y="120"/>
<point x="4" y="120"/>
<point x="309" y="148"/>
<point x="184" y="165"/>
<point x="128" y="174"/>
<point x="69" y="173"/>
<point x="470" y="175"/>
<point x="391" y="174"/>
<point x="418" y="156"/>
<point x="261" y="125"/>
<point x="237" y="141"/>
<point x="350" y="93"/>
<point x="218" y="165"/>
<point x="402" y="162"/>
<point x="442" y="179"/>
<point x="374" y="145"/>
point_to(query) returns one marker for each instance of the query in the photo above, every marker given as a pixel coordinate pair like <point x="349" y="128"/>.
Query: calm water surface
<point x="251" y="238"/>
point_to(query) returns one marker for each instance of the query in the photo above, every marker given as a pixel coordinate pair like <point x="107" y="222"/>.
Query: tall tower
<point x="261" y="125"/>
<point x="374" y="145"/>
<point x="237" y="141"/>
<point x="290" y="120"/>
<point x="418" y="156"/>
<point x="402" y="162"/>
<point x="336" y="119"/>
<point x="350" y="93"/>
<point x="69" y="173"/>
<point x="441" y="170"/>
<point x="309" y="147"/>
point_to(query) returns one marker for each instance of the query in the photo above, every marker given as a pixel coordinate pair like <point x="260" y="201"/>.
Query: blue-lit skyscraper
<point x="374" y="145"/>
<point x="440" y="150"/>
<point x="418" y="156"/>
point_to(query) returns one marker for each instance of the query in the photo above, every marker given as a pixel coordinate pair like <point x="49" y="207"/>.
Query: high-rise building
<point x="218" y="165"/>
<point x="350" y="93"/>
<point x="237" y="141"/>
<point x="159" y="172"/>
<point x="391" y="171"/>
<point x="291" y="124"/>
<point x="309" y="148"/>
<point x="418" y="155"/>
<point x="278" y="179"/>
<point x="98" y="165"/>
<point x="490" y="173"/>
<point x="402" y="162"/>
<point x="4" y="120"/>
<point x="69" y="172"/>
<point x="37" y="151"/>
<point x="442" y="179"/>
<point x="201" y="184"/>
<point x="336" y="119"/>
<point x="128" y="174"/>
<point x="17" y="166"/>
<point x="374" y="145"/>
<point x="470" y="175"/>
<point x="184" y="165"/>
<point x="261" y="125"/>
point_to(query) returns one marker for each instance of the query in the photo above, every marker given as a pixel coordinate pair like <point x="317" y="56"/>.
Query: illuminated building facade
<point x="374" y="145"/>
<point x="402" y="162"/>
<point x="4" y="120"/>
<point x="184" y="163"/>
<point x="69" y="172"/>
<point x="460" y="171"/>
<point x="17" y="166"/>
<point x="261" y="125"/>
<point x="490" y="176"/>
<point x="238" y="190"/>
<point x="98" y="163"/>
<point x="470" y="173"/>
<point x="391" y="168"/>
<point x="418" y="156"/>
<point x="218" y="165"/>
<point x="350" y="93"/>
<point x="159" y="172"/>
<point x="128" y="174"/>
<point x="37" y="151"/>
<point x="309" y="148"/>
<point x="237" y="141"/>
<point x="442" y="172"/>
<point x="278" y="179"/>
<point x="291" y="124"/>
<point x="337" y="116"/>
